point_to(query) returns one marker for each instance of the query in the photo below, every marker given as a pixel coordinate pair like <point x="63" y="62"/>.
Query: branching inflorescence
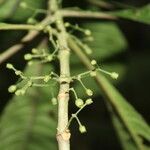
<point x="58" y="35"/>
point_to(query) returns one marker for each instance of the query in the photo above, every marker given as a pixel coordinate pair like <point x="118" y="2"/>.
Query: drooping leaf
<point x="29" y="122"/>
<point x="132" y="120"/>
<point x="123" y="135"/>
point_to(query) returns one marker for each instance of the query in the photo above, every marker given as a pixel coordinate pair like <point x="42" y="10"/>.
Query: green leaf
<point x="138" y="14"/>
<point x="10" y="9"/>
<point x="29" y="121"/>
<point x="108" y="40"/>
<point x="131" y="119"/>
<point x="123" y="135"/>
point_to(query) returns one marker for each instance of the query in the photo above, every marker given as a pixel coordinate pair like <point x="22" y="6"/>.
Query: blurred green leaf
<point x="123" y="135"/>
<point x="138" y="14"/>
<point x="131" y="119"/>
<point x="29" y="121"/>
<point x="108" y="40"/>
<point x="11" y="10"/>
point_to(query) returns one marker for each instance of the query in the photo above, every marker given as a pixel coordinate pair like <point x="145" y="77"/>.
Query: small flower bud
<point x="18" y="72"/>
<point x="49" y="58"/>
<point x="23" y="5"/>
<point x="46" y="78"/>
<point x="67" y="24"/>
<point x="93" y="62"/>
<point x="31" y="21"/>
<point x="89" y="101"/>
<point x="58" y="21"/>
<point x="27" y="56"/>
<point x="29" y="83"/>
<point x="87" y="32"/>
<point x="9" y="66"/>
<point x="114" y="75"/>
<point x="82" y="129"/>
<point x="30" y="63"/>
<point x="12" y="88"/>
<point x="54" y="101"/>
<point x="34" y="51"/>
<point x="88" y="50"/>
<point x="89" y="92"/>
<point x="79" y="102"/>
<point x="93" y="73"/>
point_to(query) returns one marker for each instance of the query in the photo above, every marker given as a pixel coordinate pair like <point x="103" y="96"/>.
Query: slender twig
<point x="5" y="26"/>
<point x="76" y="114"/>
<point x="17" y="47"/>
<point x="87" y="14"/>
<point x="63" y="135"/>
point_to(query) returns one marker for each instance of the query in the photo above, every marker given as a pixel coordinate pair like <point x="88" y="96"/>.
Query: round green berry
<point x="93" y="62"/>
<point x="49" y="58"/>
<point x="12" y="88"/>
<point x="93" y="73"/>
<point x="27" y="56"/>
<point x="87" y="32"/>
<point x="82" y="129"/>
<point x="89" y="101"/>
<point x="114" y="75"/>
<point x="9" y="66"/>
<point x="54" y="101"/>
<point x="46" y="78"/>
<point x="79" y="102"/>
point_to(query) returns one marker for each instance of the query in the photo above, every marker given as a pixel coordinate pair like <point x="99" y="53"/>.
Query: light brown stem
<point x="63" y="134"/>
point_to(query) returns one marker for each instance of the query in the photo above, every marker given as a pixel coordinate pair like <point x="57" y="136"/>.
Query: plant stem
<point x="63" y="135"/>
<point x="87" y="14"/>
<point x="5" y="26"/>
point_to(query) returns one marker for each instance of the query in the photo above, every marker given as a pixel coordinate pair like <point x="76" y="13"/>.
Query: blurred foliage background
<point x="121" y="46"/>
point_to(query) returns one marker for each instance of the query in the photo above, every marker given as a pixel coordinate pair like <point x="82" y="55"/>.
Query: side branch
<point x="5" y="26"/>
<point x="87" y="14"/>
